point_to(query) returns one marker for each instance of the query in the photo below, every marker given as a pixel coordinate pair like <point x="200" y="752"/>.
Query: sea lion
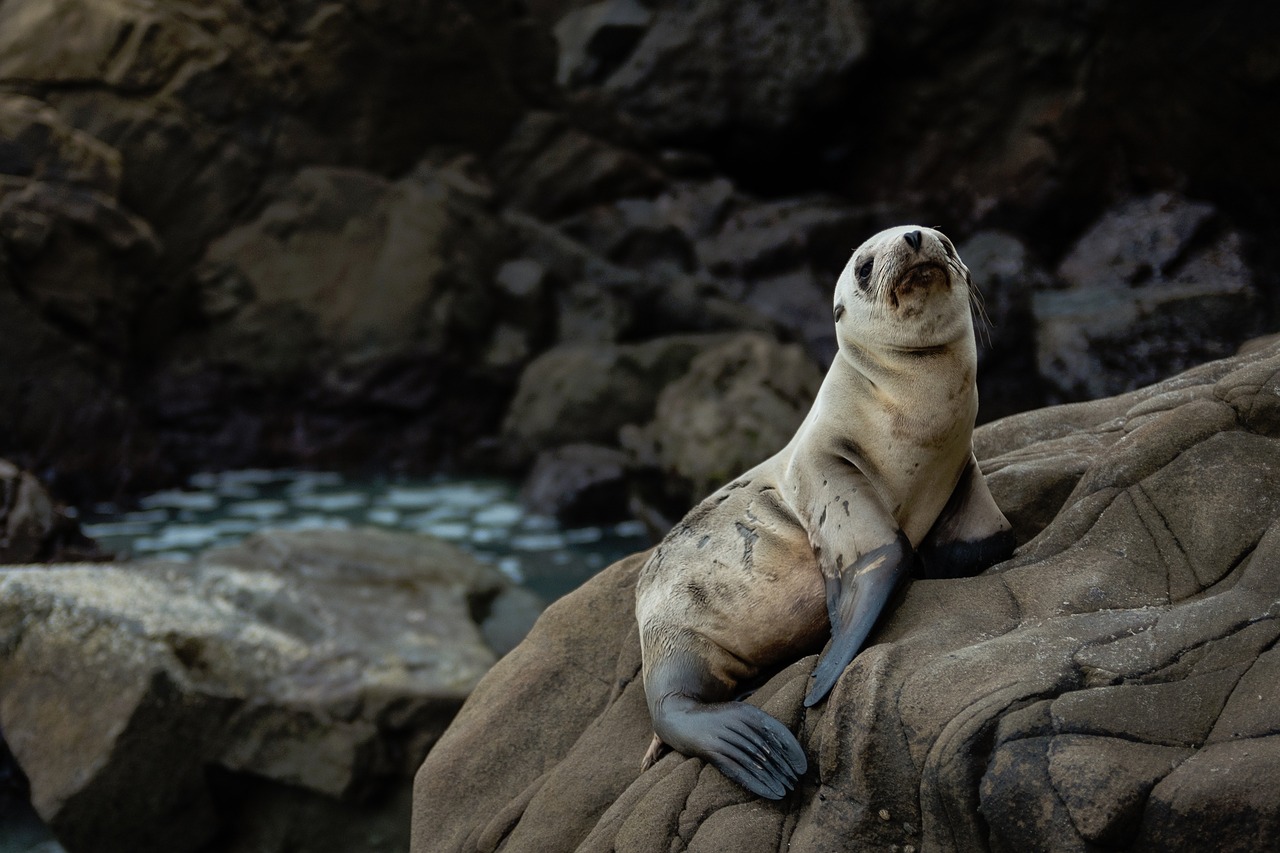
<point x="878" y="482"/>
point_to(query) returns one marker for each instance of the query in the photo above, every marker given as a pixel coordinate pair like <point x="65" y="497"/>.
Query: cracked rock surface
<point x="1112" y="686"/>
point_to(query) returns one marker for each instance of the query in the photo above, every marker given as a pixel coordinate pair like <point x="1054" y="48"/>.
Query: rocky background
<point x="592" y="245"/>
<point x="391" y="236"/>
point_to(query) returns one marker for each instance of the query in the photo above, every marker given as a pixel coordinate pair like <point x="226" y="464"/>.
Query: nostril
<point x="913" y="240"/>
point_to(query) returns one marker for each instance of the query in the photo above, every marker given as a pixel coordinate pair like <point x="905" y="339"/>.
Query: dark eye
<point x="864" y="272"/>
<point x="950" y="249"/>
<point x="839" y="311"/>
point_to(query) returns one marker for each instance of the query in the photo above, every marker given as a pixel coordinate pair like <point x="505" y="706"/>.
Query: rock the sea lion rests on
<point x="878" y="483"/>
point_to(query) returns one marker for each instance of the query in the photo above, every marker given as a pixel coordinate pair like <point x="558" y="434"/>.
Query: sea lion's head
<point x="905" y="288"/>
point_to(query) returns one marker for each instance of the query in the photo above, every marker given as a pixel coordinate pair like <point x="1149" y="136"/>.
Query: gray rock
<point x="584" y="394"/>
<point x="596" y="38"/>
<point x="1153" y="289"/>
<point x="345" y="264"/>
<point x="709" y="66"/>
<point x="739" y="403"/>
<point x="550" y="168"/>
<point x="1110" y="685"/>
<point x="580" y="484"/>
<point x="318" y="667"/>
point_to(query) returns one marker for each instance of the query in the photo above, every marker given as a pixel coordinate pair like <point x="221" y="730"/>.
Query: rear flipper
<point x="855" y="599"/>
<point x="741" y="741"/>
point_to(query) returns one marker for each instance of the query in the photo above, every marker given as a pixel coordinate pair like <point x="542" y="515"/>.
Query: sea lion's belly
<point x="739" y="572"/>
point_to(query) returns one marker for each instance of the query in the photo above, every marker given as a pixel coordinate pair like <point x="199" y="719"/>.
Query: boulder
<point x="1155" y="286"/>
<point x="739" y="403"/>
<point x="586" y="393"/>
<point x="276" y="694"/>
<point x="702" y="68"/>
<point x="1111" y="685"/>
<point x="579" y="484"/>
<point x="345" y="264"/>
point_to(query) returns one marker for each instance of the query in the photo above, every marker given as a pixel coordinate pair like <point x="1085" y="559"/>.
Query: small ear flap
<point x="970" y="535"/>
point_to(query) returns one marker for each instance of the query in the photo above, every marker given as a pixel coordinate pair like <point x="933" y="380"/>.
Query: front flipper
<point x="740" y="740"/>
<point x="855" y="598"/>
<point x="971" y="533"/>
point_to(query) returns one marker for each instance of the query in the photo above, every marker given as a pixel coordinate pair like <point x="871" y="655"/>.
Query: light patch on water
<point x="454" y="531"/>
<point x="482" y="516"/>
<point x="383" y="517"/>
<point x="510" y="566"/>
<point x="332" y="502"/>
<point x="259" y="510"/>
<point x="175" y="499"/>
<point x="537" y="541"/>
<point x="117" y="528"/>
<point x="499" y="515"/>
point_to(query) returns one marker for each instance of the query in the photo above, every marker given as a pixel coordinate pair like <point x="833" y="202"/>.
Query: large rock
<point x="1112" y="685"/>
<point x="586" y="393"/>
<point x="713" y="66"/>
<point x="1154" y="287"/>
<point x="277" y="694"/>
<point x="132" y="134"/>
<point x="738" y="404"/>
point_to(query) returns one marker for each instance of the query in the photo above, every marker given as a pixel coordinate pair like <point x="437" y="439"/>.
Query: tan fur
<point x="740" y="581"/>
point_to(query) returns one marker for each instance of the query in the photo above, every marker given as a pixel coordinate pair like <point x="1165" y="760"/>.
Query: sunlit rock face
<point x="1110" y="685"/>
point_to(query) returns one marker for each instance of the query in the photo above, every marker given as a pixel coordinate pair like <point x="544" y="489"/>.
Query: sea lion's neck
<point x="907" y="374"/>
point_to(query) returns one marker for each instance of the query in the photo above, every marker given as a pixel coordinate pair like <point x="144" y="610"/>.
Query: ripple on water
<point x="482" y="516"/>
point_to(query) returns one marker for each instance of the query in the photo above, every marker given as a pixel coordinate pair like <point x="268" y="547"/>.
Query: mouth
<point x="921" y="277"/>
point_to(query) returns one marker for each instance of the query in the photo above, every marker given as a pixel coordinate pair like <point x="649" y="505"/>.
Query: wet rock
<point x="1155" y="287"/>
<point x="584" y="394"/>
<point x="739" y="403"/>
<point x="1105" y="686"/>
<point x="314" y="667"/>
<point x="579" y="484"/>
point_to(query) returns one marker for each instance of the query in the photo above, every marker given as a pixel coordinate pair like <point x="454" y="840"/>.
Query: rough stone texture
<point x="1153" y="288"/>
<point x="1110" y="685"/>
<point x="134" y="133"/>
<point x="276" y="694"/>
<point x="738" y="404"/>
<point x="580" y="484"/>
<point x="576" y="394"/>
<point x="708" y="66"/>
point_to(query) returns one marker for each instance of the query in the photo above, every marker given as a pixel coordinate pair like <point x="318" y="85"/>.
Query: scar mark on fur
<point x="702" y="543"/>
<point x="872" y="566"/>
<point x="846" y="507"/>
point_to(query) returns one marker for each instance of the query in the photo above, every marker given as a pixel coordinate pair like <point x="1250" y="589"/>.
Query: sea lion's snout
<point x="918" y="281"/>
